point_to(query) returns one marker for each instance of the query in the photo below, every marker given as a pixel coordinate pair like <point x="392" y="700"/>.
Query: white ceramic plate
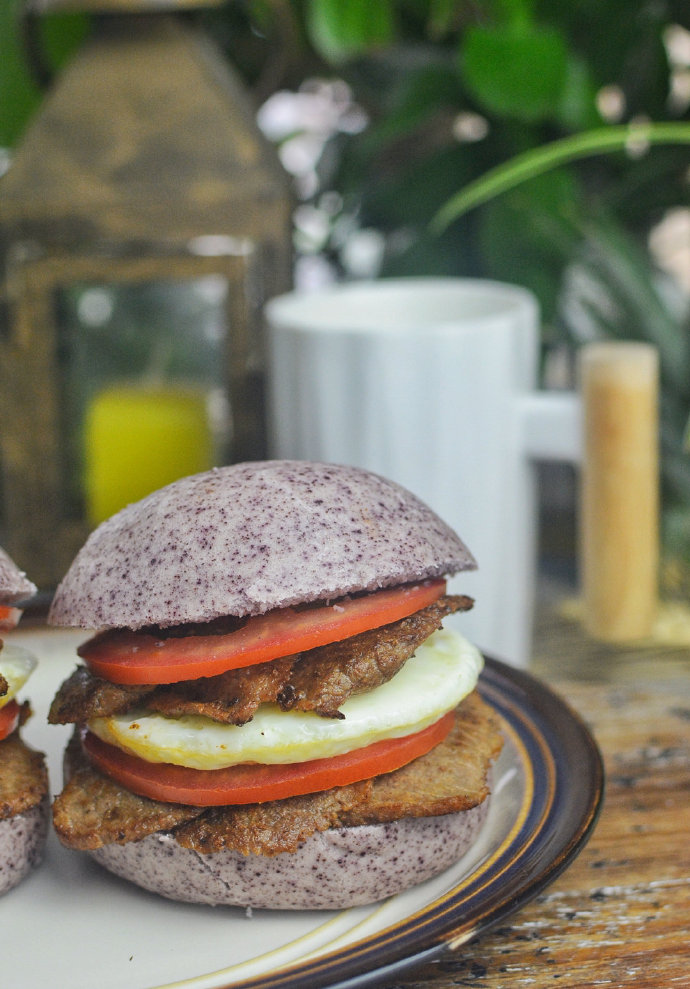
<point x="72" y="924"/>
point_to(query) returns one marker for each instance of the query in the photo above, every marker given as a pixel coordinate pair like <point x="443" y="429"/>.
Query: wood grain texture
<point x="620" y="915"/>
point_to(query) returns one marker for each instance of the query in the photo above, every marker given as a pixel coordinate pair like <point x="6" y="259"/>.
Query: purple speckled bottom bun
<point x="22" y="840"/>
<point x="331" y="870"/>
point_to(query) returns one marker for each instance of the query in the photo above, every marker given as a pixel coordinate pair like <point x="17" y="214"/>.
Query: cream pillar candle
<point x="619" y="489"/>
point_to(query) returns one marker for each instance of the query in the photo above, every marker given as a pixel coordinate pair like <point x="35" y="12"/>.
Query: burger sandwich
<point x="270" y="712"/>
<point x="24" y="800"/>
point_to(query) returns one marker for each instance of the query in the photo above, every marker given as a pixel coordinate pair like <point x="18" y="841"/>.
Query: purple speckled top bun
<point x="244" y="539"/>
<point x="14" y="586"/>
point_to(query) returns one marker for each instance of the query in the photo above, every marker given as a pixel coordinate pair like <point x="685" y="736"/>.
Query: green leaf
<point x="577" y="109"/>
<point x="543" y="158"/>
<point x="515" y="13"/>
<point x="339" y="29"/>
<point x="515" y="73"/>
<point x="20" y="96"/>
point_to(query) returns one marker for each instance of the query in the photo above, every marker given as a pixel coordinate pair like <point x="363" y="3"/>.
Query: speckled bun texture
<point x="334" y="869"/>
<point x="14" y="585"/>
<point x="22" y="842"/>
<point x="244" y="539"/>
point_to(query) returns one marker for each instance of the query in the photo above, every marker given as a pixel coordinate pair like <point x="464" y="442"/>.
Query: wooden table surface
<point x="620" y="914"/>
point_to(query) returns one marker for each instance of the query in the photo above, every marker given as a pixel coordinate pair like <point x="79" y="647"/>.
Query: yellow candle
<point x="138" y="438"/>
<point x="619" y="489"/>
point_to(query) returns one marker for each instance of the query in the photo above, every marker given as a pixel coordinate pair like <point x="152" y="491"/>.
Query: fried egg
<point x="16" y="666"/>
<point x="432" y="682"/>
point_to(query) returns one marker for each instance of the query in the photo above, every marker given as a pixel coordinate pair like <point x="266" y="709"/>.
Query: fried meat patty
<point x="93" y="810"/>
<point x="23" y="777"/>
<point x="319" y="680"/>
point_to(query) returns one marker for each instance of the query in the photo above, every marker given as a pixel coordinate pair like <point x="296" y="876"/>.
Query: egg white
<point x="16" y="666"/>
<point x="434" y="681"/>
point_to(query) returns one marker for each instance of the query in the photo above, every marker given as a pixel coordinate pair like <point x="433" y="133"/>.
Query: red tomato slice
<point x="127" y="657"/>
<point x="9" y="616"/>
<point x="253" y="783"/>
<point x="9" y="718"/>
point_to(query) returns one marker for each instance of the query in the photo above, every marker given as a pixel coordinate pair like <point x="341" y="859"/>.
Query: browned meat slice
<point x="324" y="678"/>
<point x="23" y="777"/>
<point x="232" y="697"/>
<point x="93" y="810"/>
<point x="451" y="778"/>
<point x="274" y="827"/>
<point x="319" y="680"/>
<point x="84" y="695"/>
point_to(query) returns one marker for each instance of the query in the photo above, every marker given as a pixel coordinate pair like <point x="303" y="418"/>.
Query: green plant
<point x="462" y="95"/>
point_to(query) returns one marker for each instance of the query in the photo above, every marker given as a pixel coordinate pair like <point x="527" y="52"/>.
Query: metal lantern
<point x="143" y="221"/>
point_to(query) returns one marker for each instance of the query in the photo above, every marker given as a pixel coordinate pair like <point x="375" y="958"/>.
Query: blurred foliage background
<point x="397" y="105"/>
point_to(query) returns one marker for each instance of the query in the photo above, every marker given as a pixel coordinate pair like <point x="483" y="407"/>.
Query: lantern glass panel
<point x="143" y="387"/>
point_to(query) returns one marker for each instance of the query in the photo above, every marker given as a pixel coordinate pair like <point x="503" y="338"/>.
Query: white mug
<point x="431" y="382"/>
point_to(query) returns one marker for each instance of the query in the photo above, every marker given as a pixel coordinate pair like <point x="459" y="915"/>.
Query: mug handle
<point x="551" y="425"/>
